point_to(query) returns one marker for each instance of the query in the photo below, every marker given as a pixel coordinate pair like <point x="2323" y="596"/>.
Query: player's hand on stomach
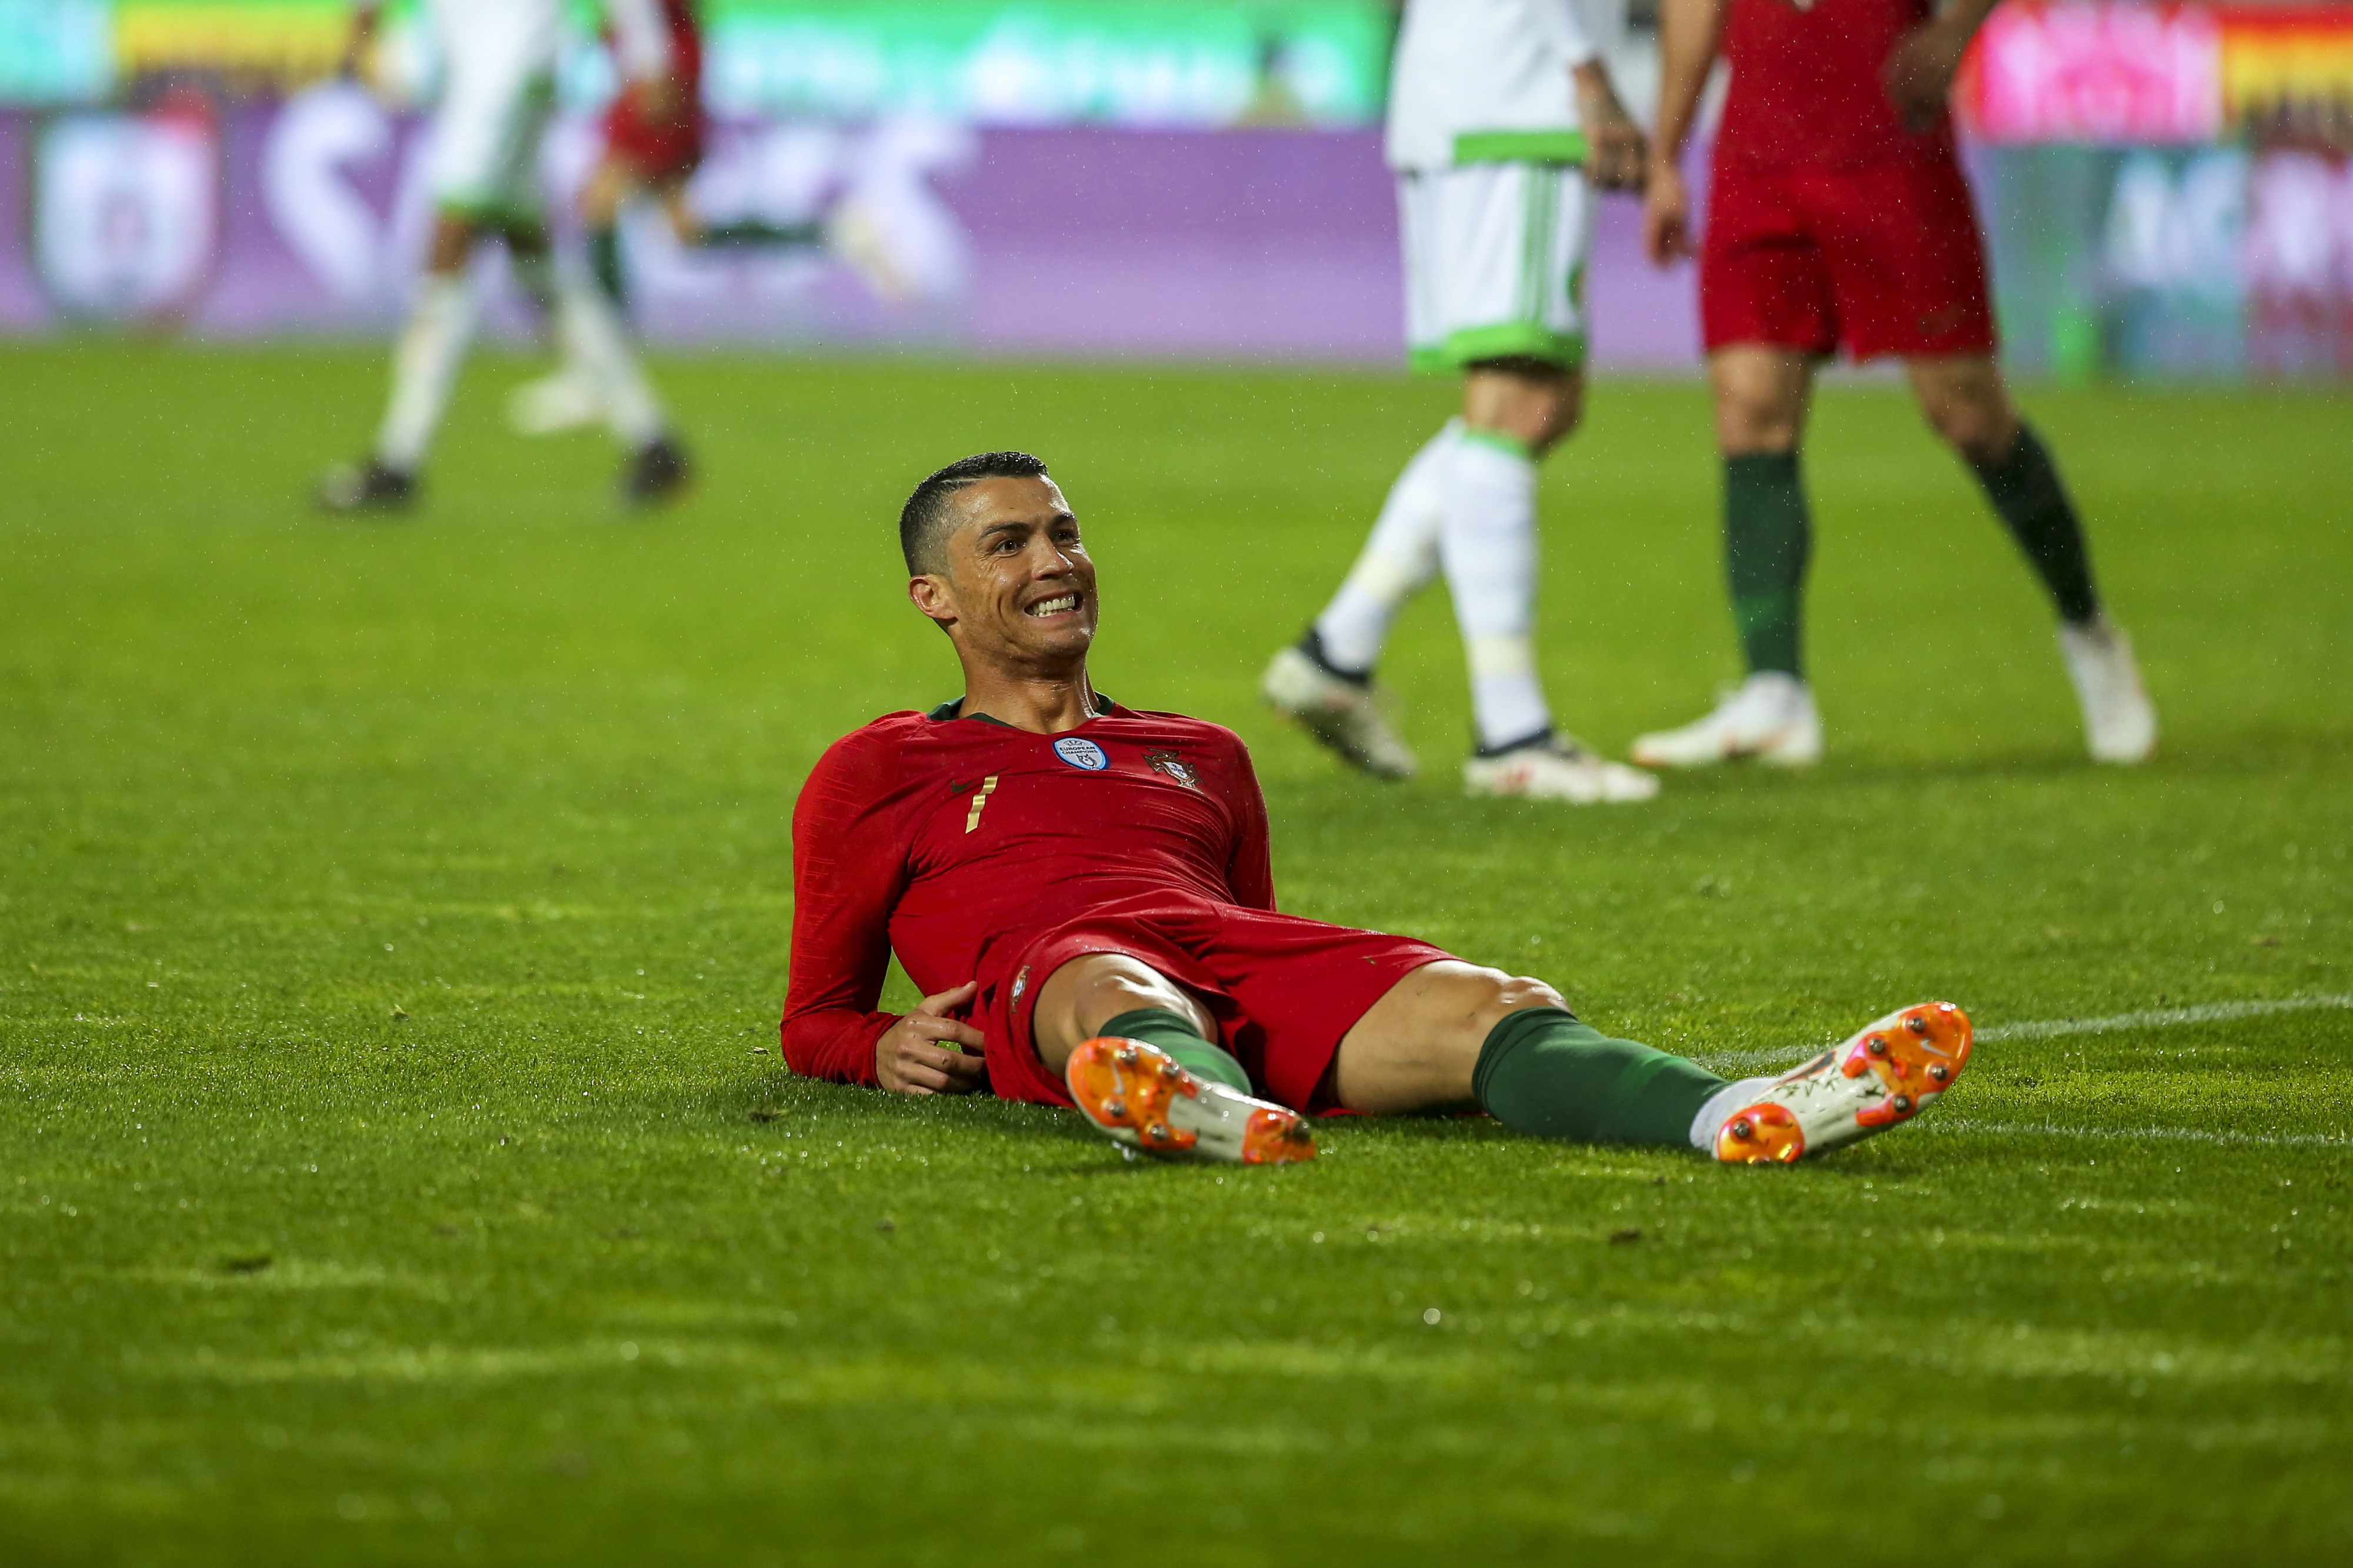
<point x="1615" y="150"/>
<point x="1918" y="75"/>
<point x="917" y="1054"/>
<point x="1666" y="213"/>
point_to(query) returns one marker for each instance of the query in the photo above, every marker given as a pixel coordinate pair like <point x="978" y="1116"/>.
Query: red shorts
<point x="1885" y="259"/>
<point x="661" y="150"/>
<point x="1283" y="990"/>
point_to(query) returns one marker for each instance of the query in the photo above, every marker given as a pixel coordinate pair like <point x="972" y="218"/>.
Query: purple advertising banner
<point x="309" y="216"/>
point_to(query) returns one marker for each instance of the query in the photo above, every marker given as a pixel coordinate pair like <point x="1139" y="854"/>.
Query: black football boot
<point x="367" y="488"/>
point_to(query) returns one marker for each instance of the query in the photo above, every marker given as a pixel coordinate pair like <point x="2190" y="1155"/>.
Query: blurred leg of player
<point x="1887" y="262"/>
<point x="484" y="175"/>
<point x="1495" y="270"/>
<point x="495" y="104"/>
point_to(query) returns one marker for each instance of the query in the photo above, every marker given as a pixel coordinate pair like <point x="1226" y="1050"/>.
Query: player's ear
<point x="930" y="592"/>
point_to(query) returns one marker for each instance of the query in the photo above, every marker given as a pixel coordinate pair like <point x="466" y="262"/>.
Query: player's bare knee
<point x="1981" y="433"/>
<point x="1101" y="987"/>
<point x="1492" y="996"/>
<point x="1746" y="425"/>
<point x="1515" y="994"/>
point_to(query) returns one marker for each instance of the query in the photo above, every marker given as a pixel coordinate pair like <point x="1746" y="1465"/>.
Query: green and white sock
<point x="425" y="369"/>
<point x="1719" y="1109"/>
<point x="1397" y="562"/>
<point x="1542" y="1072"/>
<point x="1767" y="538"/>
<point x="1489" y="551"/>
<point x="595" y="340"/>
<point x="1173" y="1033"/>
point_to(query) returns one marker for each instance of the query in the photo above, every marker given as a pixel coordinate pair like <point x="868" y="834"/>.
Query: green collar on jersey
<point x="953" y="709"/>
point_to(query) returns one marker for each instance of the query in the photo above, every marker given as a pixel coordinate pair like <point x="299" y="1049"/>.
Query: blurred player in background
<point x="1502" y="122"/>
<point x="498" y="93"/>
<point x="653" y="145"/>
<point x="1840" y="215"/>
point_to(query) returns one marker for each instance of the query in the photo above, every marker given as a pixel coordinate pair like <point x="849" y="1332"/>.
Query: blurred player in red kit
<point x="1084" y="894"/>
<point x="654" y="142"/>
<point x="1839" y="216"/>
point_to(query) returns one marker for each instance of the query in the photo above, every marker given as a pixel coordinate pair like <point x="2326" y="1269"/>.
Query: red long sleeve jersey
<point x="957" y="843"/>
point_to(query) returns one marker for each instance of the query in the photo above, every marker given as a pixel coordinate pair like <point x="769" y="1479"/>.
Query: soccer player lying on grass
<point x="1083" y="892"/>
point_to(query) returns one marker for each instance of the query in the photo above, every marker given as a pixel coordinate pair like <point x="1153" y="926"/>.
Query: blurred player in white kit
<point x="1503" y="122"/>
<point x="498" y="93"/>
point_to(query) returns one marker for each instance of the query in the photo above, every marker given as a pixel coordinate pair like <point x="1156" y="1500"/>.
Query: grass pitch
<point x="396" y="1167"/>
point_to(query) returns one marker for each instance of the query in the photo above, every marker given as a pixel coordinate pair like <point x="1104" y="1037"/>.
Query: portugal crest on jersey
<point x="1168" y="765"/>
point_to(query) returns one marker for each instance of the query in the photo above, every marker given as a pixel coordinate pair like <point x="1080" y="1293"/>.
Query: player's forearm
<point x="834" y="1043"/>
<point x="1689" y="33"/>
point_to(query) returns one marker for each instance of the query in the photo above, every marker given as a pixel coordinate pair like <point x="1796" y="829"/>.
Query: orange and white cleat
<point x="1140" y="1095"/>
<point x="1888" y="1073"/>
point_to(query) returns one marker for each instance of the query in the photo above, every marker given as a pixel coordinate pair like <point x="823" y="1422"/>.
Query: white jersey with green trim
<point x="515" y="33"/>
<point x="1495" y="73"/>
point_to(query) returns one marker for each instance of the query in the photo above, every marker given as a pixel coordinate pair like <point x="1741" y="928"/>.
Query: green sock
<point x="1767" y="540"/>
<point x="1173" y="1033"/>
<point x="1542" y="1072"/>
<point x="750" y="235"/>
<point x="2025" y="488"/>
<point x="604" y="265"/>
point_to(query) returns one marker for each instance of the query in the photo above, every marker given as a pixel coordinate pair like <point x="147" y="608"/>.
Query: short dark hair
<point x="923" y="521"/>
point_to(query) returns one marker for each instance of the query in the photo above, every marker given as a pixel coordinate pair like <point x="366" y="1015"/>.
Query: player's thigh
<point x="1763" y="280"/>
<point x="1418" y="1047"/>
<point x="1495" y="264"/>
<point x="1087" y="992"/>
<point x="1906" y="258"/>
<point x="1762" y="392"/>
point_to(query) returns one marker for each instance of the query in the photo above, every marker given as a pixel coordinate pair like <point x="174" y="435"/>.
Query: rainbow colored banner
<point x="2114" y="74"/>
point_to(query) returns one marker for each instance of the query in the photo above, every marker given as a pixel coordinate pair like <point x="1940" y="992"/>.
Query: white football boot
<point x="1143" y="1099"/>
<point x="1888" y="1073"/>
<point x="1556" y="768"/>
<point x="1769" y="717"/>
<point x="568" y="399"/>
<point x="1343" y="715"/>
<point x="2119" y="721"/>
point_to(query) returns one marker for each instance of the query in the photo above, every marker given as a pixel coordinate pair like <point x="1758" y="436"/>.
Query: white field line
<point x="2161" y="1019"/>
<point x="2043" y="1029"/>
<point x="2139" y="1134"/>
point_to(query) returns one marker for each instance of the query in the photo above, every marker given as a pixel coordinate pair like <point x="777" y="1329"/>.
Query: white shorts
<point x="1494" y="263"/>
<point x="494" y="110"/>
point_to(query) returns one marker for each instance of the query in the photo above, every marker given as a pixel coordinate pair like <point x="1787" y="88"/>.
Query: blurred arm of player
<point x="1615" y="150"/>
<point x="361" y="45"/>
<point x="1918" y="75"/>
<point x="641" y="49"/>
<point x="917" y="1054"/>
<point x="1689" y="33"/>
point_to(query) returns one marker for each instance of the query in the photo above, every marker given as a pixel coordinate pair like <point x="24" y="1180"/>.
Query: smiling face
<point x="1017" y="596"/>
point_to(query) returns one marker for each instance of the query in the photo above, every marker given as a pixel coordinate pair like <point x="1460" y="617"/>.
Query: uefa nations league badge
<point x="1081" y="752"/>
